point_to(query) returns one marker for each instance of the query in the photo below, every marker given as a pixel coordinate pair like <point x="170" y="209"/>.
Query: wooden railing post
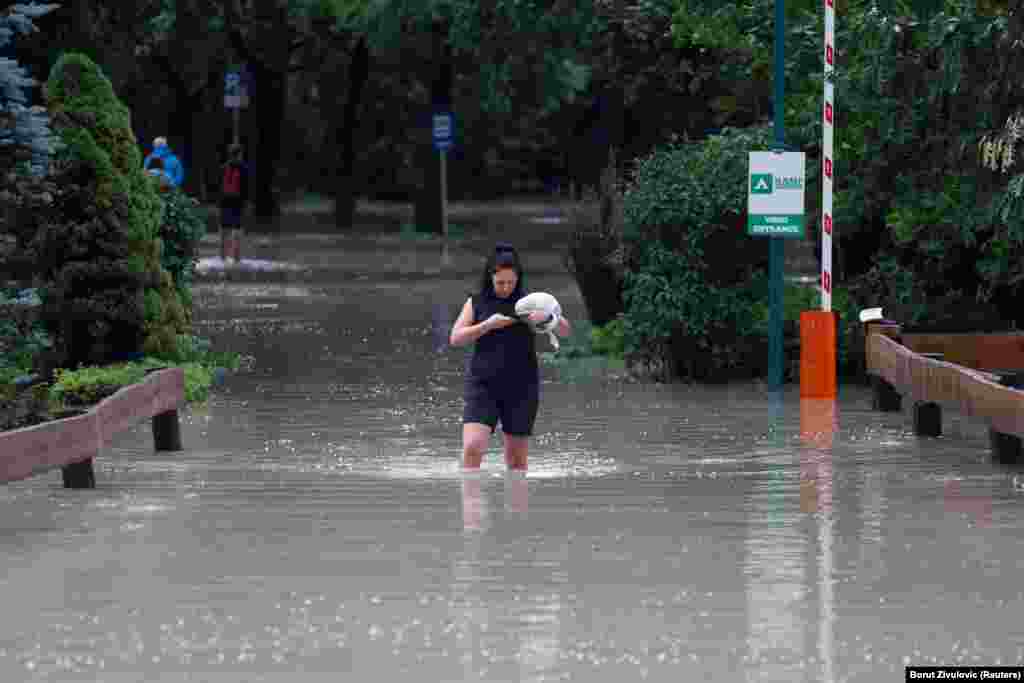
<point x="79" y="475"/>
<point x="928" y="415"/>
<point x="167" y="431"/>
<point x="885" y="398"/>
<point x="927" y="419"/>
<point x="1007" y="448"/>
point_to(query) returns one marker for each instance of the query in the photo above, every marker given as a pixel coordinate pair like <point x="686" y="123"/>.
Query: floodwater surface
<point x="318" y="525"/>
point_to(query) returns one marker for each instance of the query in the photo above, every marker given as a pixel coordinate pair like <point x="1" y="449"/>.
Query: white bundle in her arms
<point x="545" y="303"/>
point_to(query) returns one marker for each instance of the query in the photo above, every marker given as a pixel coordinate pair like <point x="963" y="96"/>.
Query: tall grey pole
<point x="776" y="253"/>
<point x="445" y="255"/>
<point x="444" y="194"/>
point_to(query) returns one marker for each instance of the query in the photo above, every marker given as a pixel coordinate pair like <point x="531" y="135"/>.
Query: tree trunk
<point x="180" y="133"/>
<point x="428" y="209"/>
<point x="270" y="30"/>
<point x="345" y="187"/>
<point x="190" y="73"/>
<point x="81" y="38"/>
<point x="263" y="142"/>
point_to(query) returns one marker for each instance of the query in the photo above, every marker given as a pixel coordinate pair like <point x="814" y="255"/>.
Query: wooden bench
<point x="72" y="443"/>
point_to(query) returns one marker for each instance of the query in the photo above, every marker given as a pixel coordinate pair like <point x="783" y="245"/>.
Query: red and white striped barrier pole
<point x="818" y="328"/>
<point x="827" y="159"/>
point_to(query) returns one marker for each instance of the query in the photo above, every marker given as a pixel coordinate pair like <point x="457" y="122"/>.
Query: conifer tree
<point x="25" y="133"/>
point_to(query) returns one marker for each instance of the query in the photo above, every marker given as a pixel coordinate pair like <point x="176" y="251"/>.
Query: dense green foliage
<point x="22" y="336"/>
<point x="947" y="236"/>
<point x="927" y="207"/>
<point x="105" y="294"/>
<point x="609" y="339"/>
<point x="84" y="386"/>
<point x="89" y="385"/>
<point x="928" y="200"/>
<point x="690" y="288"/>
<point x="181" y="229"/>
<point x="922" y="227"/>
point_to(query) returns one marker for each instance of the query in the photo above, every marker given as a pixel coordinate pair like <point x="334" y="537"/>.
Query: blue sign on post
<point x="444" y="125"/>
<point x="236" y="88"/>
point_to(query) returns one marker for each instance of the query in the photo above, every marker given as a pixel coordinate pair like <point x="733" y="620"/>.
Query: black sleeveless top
<point x="508" y="353"/>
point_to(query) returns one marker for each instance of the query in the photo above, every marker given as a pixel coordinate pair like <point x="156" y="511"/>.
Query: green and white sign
<point x="775" y="194"/>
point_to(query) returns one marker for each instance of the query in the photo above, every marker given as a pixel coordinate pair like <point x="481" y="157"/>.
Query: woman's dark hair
<point x="503" y="256"/>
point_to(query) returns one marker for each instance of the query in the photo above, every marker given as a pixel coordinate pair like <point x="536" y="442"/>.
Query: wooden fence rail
<point x="73" y="442"/>
<point x="901" y="368"/>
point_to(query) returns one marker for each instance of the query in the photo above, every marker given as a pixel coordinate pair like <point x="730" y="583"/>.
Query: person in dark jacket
<point x="503" y="376"/>
<point x="234" y="196"/>
<point x="171" y="164"/>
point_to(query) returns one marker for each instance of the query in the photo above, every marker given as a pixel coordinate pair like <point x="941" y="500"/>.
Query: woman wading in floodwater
<point x="503" y="377"/>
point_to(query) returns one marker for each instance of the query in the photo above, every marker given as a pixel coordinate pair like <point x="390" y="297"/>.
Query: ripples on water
<point x="320" y="527"/>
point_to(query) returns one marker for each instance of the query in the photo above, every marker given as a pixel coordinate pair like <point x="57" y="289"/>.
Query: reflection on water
<point x="510" y="629"/>
<point x="979" y="508"/>
<point x="320" y="524"/>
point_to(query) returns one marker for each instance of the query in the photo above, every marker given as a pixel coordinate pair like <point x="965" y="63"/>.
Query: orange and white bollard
<point x="818" y="354"/>
<point x="818" y="328"/>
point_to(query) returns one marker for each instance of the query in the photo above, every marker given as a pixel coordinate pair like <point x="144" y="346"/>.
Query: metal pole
<point x="776" y="253"/>
<point x="444" y="193"/>
<point x="235" y="117"/>
<point x="445" y="256"/>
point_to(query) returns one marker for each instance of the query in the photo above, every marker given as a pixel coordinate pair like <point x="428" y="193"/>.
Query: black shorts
<point x="514" y="404"/>
<point x="231" y="216"/>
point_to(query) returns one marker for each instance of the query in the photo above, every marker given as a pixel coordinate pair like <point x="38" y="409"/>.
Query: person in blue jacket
<point x="503" y="376"/>
<point x="156" y="169"/>
<point x="172" y="165"/>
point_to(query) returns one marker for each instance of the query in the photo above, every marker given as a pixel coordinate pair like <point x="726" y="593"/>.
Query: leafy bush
<point x="193" y="349"/>
<point x="579" y="358"/>
<point x="690" y="288"/>
<point x="91" y="384"/>
<point x="182" y="228"/>
<point x="609" y="339"/>
<point x="22" y="336"/>
<point x="85" y="386"/>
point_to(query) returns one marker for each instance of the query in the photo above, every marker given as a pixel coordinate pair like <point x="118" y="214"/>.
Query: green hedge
<point x="692" y="283"/>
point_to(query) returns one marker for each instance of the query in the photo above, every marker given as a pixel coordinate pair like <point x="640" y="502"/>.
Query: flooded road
<point x="318" y="526"/>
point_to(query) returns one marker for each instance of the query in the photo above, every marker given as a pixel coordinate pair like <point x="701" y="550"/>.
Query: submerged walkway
<point x="317" y="526"/>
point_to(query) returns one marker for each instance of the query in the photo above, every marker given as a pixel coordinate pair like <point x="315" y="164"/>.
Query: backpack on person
<point x="231" y="185"/>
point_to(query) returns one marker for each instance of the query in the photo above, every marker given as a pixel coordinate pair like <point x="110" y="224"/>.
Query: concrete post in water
<point x="167" y="431"/>
<point x="927" y="415"/>
<point x="79" y="475"/>
<point x="1007" y="448"/>
<point x="885" y="398"/>
<point x="927" y="419"/>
